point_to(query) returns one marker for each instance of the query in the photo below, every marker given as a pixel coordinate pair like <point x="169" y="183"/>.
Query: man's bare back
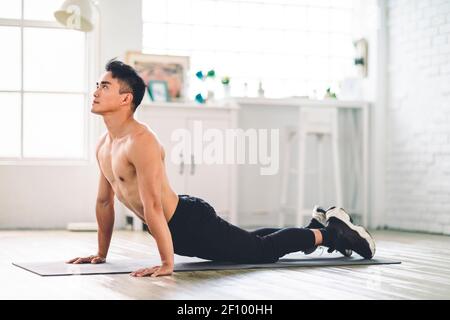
<point x="121" y="174"/>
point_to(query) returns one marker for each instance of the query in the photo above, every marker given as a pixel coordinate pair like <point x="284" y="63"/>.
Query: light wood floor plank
<point x="423" y="274"/>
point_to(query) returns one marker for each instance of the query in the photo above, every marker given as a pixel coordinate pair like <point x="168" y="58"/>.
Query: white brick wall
<point x="418" y="116"/>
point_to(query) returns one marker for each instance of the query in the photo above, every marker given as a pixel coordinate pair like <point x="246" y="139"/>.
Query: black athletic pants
<point x="197" y="231"/>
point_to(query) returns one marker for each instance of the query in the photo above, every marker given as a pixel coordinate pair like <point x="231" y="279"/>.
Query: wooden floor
<point x="423" y="274"/>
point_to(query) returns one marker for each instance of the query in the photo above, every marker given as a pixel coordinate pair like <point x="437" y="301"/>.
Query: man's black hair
<point x="129" y="80"/>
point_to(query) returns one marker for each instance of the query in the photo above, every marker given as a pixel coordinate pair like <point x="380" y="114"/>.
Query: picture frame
<point x="158" y="90"/>
<point x="171" y="69"/>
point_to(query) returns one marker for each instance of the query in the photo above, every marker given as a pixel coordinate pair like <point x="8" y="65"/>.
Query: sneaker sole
<point x="361" y="231"/>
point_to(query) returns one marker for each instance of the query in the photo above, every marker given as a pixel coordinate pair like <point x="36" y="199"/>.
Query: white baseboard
<point x="82" y="226"/>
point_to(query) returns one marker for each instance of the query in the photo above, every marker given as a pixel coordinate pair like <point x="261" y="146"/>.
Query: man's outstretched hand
<point x="91" y="259"/>
<point x="164" y="270"/>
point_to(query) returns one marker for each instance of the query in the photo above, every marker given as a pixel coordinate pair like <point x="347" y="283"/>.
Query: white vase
<point x="226" y="91"/>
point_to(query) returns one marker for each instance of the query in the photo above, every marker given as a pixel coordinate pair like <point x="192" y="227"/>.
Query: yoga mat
<point x="117" y="266"/>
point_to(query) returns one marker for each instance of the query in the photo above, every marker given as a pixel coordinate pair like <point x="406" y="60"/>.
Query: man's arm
<point x="105" y="217"/>
<point x="104" y="209"/>
<point x="145" y="155"/>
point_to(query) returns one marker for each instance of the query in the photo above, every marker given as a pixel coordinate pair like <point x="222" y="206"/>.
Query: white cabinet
<point x="163" y="127"/>
<point x="189" y="172"/>
<point x="211" y="182"/>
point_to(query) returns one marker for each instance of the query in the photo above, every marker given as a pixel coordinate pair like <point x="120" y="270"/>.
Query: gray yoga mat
<point x="117" y="266"/>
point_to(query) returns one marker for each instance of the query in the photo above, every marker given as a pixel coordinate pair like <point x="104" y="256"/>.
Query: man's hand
<point x="164" y="270"/>
<point x="91" y="259"/>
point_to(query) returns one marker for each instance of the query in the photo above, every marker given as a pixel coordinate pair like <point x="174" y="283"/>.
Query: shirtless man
<point x="132" y="167"/>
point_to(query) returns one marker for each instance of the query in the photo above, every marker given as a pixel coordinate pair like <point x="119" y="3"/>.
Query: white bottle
<point x="260" y="90"/>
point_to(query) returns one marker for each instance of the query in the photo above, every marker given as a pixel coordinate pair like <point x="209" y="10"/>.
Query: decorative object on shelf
<point x="225" y="80"/>
<point x="171" y="69"/>
<point x="361" y="53"/>
<point x="330" y="94"/>
<point x="199" y="98"/>
<point x="210" y="74"/>
<point x="226" y="86"/>
<point x="208" y="79"/>
<point x="158" y="90"/>
<point x="260" y="90"/>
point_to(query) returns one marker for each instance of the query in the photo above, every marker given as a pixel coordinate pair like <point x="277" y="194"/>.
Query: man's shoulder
<point x="101" y="141"/>
<point x="103" y="136"/>
<point x="144" y="135"/>
<point x="144" y="139"/>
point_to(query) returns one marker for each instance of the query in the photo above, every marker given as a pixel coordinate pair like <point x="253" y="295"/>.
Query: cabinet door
<point x="163" y="126"/>
<point x="210" y="182"/>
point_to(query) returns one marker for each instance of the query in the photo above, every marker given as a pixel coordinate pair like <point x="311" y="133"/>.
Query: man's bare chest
<point x="115" y="165"/>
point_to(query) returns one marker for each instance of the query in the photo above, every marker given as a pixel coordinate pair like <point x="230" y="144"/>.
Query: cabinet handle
<point x="182" y="163"/>
<point x="192" y="164"/>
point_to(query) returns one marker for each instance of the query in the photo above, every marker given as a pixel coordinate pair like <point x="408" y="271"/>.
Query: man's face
<point x="107" y="96"/>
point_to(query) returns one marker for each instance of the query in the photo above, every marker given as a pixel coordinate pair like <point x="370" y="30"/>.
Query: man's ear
<point x="127" y="98"/>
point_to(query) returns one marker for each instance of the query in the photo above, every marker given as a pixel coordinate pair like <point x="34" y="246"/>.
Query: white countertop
<point x="300" y="102"/>
<point x="192" y="104"/>
<point x="236" y="103"/>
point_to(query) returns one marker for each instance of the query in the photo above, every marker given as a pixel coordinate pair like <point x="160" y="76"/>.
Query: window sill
<point x="47" y="162"/>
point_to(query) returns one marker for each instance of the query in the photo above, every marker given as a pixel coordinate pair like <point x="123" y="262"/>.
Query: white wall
<point x="410" y="184"/>
<point x="121" y="28"/>
<point x="50" y="196"/>
<point x="418" y="131"/>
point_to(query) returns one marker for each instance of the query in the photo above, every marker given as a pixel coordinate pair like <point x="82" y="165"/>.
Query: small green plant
<point x="330" y="94"/>
<point x="225" y="80"/>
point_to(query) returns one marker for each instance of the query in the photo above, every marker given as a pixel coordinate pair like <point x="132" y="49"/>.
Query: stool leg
<point x="301" y="175"/>
<point x="320" y="167"/>
<point x="337" y="165"/>
<point x="285" y="177"/>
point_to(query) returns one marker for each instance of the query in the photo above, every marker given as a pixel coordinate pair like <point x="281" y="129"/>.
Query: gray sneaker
<point x="348" y="235"/>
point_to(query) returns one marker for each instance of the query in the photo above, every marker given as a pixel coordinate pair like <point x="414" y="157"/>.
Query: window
<point x="294" y="47"/>
<point x="43" y="90"/>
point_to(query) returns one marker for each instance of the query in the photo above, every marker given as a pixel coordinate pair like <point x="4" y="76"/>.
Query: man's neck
<point x="119" y="125"/>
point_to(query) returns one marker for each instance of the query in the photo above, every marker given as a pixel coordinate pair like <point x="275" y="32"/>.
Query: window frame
<point x="91" y="46"/>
